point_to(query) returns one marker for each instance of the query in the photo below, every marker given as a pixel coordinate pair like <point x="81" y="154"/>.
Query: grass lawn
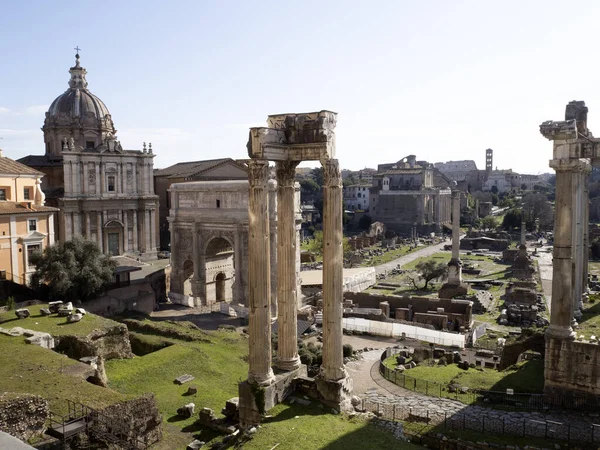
<point x="526" y="377"/>
<point x="217" y="365"/>
<point x="53" y="324"/>
<point x="590" y="322"/>
<point x="31" y="369"/>
<point x="387" y="256"/>
<point x="310" y="428"/>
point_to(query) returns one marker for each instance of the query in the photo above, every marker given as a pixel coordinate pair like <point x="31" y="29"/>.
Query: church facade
<point x="104" y="193"/>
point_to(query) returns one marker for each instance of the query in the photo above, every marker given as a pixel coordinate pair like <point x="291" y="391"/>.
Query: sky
<point x="443" y="80"/>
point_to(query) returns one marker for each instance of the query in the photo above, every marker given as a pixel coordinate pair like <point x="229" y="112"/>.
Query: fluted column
<point x="259" y="275"/>
<point x="153" y="230"/>
<point x="99" y="230"/>
<point x="586" y="237"/>
<point x="333" y="277"/>
<point x="561" y="311"/>
<point x="287" y="339"/>
<point x="455" y="265"/>
<point x="577" y="245"/>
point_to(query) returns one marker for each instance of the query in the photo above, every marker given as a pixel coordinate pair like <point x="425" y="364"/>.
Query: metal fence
<point x="486" y="423"/>
<point x="515" y="400"/>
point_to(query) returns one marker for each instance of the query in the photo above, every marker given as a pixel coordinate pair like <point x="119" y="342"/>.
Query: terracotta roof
<point x="195" y="168"/>
<point x="40" y="161"/>
<point x="10" y="166"/>
<point x="19" y="208"/>
<point x="400" y="172"/>
<point x="185" y="168"/>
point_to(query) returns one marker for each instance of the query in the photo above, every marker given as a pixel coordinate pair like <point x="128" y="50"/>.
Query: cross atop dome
<point x="78" y="73"/>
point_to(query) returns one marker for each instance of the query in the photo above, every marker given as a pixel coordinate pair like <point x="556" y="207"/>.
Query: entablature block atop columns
<point x="295" y="137"/>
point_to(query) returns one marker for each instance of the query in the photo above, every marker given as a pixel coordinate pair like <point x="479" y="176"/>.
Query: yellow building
<point x="26" y="225"/>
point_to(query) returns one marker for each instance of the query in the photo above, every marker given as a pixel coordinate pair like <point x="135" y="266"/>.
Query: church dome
<point x="77" y="116"/>
<point x="78" y="103"/>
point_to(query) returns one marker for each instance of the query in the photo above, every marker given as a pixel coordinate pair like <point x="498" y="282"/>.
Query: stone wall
<point x="418" y="309"/>
<point x="23" y="415"/>
<point x="109" y="343"/>
<point x="562" y="356"/>
<point x="140" y="416"/>
<point x="138" y="297"/>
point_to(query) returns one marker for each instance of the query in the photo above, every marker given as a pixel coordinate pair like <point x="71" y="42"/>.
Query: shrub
<point x="10" y="303"/>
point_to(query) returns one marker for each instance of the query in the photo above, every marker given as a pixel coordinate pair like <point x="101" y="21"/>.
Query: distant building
<point x="222" y="169"/>
<point x="27" y="225"/>
<point x="356" y="197"/>
<point x="104" y="192"/>
<point x="410" y="193"/>
<point x="497" y="180"/>
<point x="456" y="170"/>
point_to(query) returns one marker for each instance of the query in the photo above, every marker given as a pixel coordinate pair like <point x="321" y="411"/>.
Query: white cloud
<point x="4" y="110"/>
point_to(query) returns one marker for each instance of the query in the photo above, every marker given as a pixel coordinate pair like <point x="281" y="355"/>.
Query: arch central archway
<point x="188" y="275"/>
<point x="220" y="270"/>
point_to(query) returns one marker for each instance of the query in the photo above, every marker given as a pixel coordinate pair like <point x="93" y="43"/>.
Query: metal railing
<point x="485" y="423"/>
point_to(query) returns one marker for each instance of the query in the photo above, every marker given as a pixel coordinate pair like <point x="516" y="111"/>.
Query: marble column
<point x="455" y="265"/>
<point x="199" y="280"/>
<point x="76" y="224"/>
<point x="259" y="275"/>
<point x="126" y="231"/>
<point x="561" y="311"/>
<point x="135" y="186"/>
<point x="287" y="339"/>
<point x="238" y="294"/>
<point x="146" y="234"/>
<point x="152" y="230"/>
<point x="99" y="230"/>
<point x="523" y="233"/>
<point x="577" y="246"/>
<point x="332" y="368"/>
<point x="273" y="213"/>
<point x="135" y="230"/>
<point x="586" y="237"/>
<point x="68" y="226"/>
<point x="88" y="233"/>
<point x="84" y="184"/>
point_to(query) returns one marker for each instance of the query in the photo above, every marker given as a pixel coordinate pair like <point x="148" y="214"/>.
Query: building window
<point x="111" y="183"/>
<point x="90" y="144"/>
<point x="218" y="203"/>
<point x="2" y="194"/>
<point x="31" y="249"/>
<point x="26" y="194"/>
<point x="32" y="225"/>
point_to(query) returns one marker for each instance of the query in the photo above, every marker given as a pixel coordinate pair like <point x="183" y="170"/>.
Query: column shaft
<point x="88" y="233"/>
<point x="455" y="225"/>
<point x="561" y="310"/>
<point x="135" y="231"/>
<point x="287" y="353"/>
<point x="259" y="275"/>
<point x="125" y="231"/>
<point x="333" y="276"/>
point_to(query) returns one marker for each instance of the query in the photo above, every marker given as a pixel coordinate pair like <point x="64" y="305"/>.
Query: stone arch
<point x="114" y="236"/>
<point x="220" y="269"/>
<point x="188" y="275"/>
<point x="220" y="287"/>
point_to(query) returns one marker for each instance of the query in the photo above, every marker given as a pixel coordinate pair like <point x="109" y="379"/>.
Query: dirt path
<point x="426" y="251"/>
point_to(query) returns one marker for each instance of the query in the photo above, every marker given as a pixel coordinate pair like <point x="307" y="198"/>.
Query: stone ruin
<point x="454" y="287"/>
<point x="570" y="366"/>
<point x="288" y="140"/>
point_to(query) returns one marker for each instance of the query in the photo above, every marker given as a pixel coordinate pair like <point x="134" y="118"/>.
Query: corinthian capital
<point x="332" y="176"/>
<point x="258" y="172"/>
<point x="286" y="173"/>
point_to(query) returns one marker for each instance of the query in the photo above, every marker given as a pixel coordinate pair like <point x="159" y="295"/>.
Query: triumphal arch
<point x="208" y="221"/>
<point x="571" y="364"/>
<point x="289" y="139"/>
